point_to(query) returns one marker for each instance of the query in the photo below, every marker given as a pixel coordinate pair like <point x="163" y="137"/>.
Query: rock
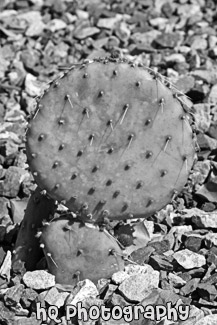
<point x="20" y="311"/>
<point x="185" y="83"/>
<point x="110" y="290"/>
<point x="188" y="259"/>
<point x="168" y="40"/>
<point x="145" y="38"/>
<point x="212" y="41"/>
<point x="194" y="315"/>
<point x="18" y="209"/>
<point x="28" y="296"/>
<point x="82" y="15"/>
<point x="118" y="300"/>
<point x="122" y="31"/>
<point x="188" y="10"/>
<point x="176" y="280"/>
<point x="10" y="186"/>
<point x="167" y="9"/>
<point x="33" y="87"/>
<point x="169" y="296"/>
<point x="102" y="285"/>
<point x="207" y="320"/>
<point x="175" y="57"/>
<point x="35" y="29"/>
<point x="61" y="50"/>
<point x="160" y="262"/>
<point x="133" y="269"/>
<point x="138" y="286"/>
<point x="202" y="117"/>
<point x="5" y="268"/>
<point x="3" y="67"/>
<point x="160" y="246"/>
<point x="85" y="289"/>
<point x="208" y="207"/>
<point x="4" y="205"/>
<point x="30" y="16"/>
<point x="199" y="43"/>
<point x="30" y="58"/>
<point x="142" y="255"/>
<point x="55" y="25"/>
<point x="13" y="295"/>
<point x="119" y="277"/>
<point x="213" y="52"/>
<point x="212" y="98"/>
<point x="208" y="190"/>
<point x="25" y="321"/>
<point x="56" y="298"/>
<point x="207" y="220"/>
<point x="207" y="76"/>
<point x="152" y="298"/>
<point x="193" y="243"/>
<point x="207" y="291"/>
<point x="190" y="287"/>
<point x="159" y="22"/>
<point x="200" y="172"/>
<point x="213" y="130"/>
<point x="39" y="280"/>
<point x="85" y="32"/>
<point x="205" y="142"/>
<point x="211" y="240"/>
<point x="109" y="23"/>
<point x="6" y="315"/>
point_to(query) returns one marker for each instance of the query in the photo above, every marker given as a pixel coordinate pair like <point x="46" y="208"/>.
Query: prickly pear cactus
<point x="112" y="139"/>
<point x="27" y="250"/>
<point x="75" y="251"/>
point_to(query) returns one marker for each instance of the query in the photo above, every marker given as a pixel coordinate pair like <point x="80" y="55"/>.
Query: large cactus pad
<point x="111" y="139"/>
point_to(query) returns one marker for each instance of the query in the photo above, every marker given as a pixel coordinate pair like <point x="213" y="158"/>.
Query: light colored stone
<point x="5" y="268"/>
<point x="35" y="29"/>
<point x="211" y="238"/>
<point x="55" y="25"/>
<point x="133" y="269"/>
<point x="175" y="57"/>
<point x="39" y="280"/>
<point x="86" y="32"/>
<point x="202" y="117"/>
<point x="147" y="38"/>
<point x="208" y="320"/>
<point x="138" y="286"/>
<point x="176" y="280"/>
<point x="30" y="16"/>
<point x="159" y="22"/>
<point x="119" y="277"/>
<point x="206" y="220"/>
<point x="212" y="98"/>
<point x="32" y="85"/>
<point x="189" y="259"/>
<point x="82" y="15"/>
<point x="109" y="23"/>
<point x="54" y="297"/>
<point x="200" y="171"/>
<point x="87" y="289"/>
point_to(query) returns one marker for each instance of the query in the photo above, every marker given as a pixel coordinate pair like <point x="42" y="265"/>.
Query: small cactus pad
<point x="80" y="252"/>
<point x="27" y="250"/>
<point x="112" y="139"/>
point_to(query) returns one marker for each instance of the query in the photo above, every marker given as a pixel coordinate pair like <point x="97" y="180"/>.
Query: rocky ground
<point x="178" y="263"/>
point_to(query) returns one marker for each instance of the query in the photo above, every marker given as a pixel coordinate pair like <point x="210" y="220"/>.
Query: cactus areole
<point x="112" y="139"/>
